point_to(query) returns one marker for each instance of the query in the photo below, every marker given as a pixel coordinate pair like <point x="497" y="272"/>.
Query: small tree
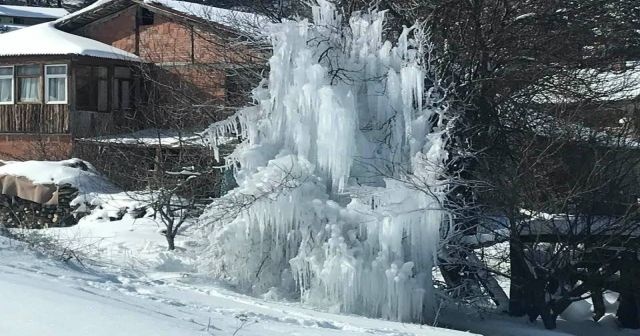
<point x="175" y="101"/>
<point x="174" y="210"/>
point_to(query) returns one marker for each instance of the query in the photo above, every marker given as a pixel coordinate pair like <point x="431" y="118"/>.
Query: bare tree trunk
<point x="597" y="299"/>
<point x="170" y="241"/>
<point x="517" y="291"/>
<point x="598" y="304"/>
<point x="628" y="313"/>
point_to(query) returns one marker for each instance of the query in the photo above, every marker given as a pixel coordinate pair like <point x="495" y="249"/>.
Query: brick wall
<point x="205" y="83"/>
<point x="35" y="146"/>
<point x="189" y="60"/>
<point x="117" y="30"/>
<point x="165" y="41"/>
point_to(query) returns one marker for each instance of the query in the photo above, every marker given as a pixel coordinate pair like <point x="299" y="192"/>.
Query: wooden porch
<point x="99" y="95"/>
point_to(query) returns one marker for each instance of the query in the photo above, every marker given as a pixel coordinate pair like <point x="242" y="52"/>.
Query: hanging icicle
<point x="341" y="173"/>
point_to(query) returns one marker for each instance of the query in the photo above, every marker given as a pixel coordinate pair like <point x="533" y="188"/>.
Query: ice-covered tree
<point x="341" y="172"/>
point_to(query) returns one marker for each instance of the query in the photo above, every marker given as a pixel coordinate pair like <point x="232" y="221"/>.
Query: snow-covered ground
<point x="128" y="284"/>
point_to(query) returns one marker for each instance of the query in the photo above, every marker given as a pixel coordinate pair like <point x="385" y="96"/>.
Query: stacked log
<point x="20" y="213"/>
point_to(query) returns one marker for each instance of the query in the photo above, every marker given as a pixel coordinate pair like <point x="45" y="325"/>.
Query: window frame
<point x="46" y="84"/>
<point x="18" y="88"/>
<point x="117" y="97"/>
<point x="13" y="84"/>
<point x="93" y="76"/>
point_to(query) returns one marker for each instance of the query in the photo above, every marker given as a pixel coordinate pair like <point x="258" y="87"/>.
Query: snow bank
<point x="340" y="172"/>
<point x="41" y="296"/>
<point x="42" y="306"/>
<point x="113" y="205"/>
<point x="76" y="173"/>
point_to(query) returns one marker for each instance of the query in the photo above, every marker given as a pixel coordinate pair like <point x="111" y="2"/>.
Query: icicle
<point x="313" y="218"/>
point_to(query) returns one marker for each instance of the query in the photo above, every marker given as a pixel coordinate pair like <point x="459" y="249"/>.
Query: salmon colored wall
<point x="167" y="40"/>
<point x="35" y="146"/>
<point x="117" y="30"/>
<point x="177" y="48"/>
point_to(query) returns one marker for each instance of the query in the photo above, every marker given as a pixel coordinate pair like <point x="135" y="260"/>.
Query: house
<point x="119" y="66"/>
<point x="16" y="17"/>
<point x="53" y="87"/>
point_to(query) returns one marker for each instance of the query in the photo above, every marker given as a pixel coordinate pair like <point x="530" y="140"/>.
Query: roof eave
<point x="77" y="21"/>
<point x="74" y="22"/>
<point x="189" y="19"/>
<point x="71" y="55"/>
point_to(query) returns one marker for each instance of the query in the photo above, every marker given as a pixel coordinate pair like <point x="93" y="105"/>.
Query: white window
<point x="55" y="84"/>
<point x="6" y="85"/>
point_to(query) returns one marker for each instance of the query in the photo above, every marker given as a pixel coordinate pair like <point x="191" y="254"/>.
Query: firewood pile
<point x="20" y="213"/>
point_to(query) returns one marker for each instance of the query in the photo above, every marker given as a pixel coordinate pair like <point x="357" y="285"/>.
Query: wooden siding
<point x="34" y="118"/>
<point x="90" y="124"/>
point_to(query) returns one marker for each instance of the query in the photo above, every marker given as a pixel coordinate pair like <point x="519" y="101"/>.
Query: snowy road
<point x="40" y="296"/>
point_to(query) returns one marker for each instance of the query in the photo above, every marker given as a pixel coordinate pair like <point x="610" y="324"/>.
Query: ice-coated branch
<point x="341" y="172"/>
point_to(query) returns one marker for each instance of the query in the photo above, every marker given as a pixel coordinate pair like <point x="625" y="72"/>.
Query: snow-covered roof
<point x="244" y="22"/>
<point x="153" y="138"/>
<point x="45" y="39"/>
<point x="89" y="8"/>
<point x="227" y="17"/>
<point x="32" y="12"/>
<point x="7" y="27"/>
<point x="160" y="137"/>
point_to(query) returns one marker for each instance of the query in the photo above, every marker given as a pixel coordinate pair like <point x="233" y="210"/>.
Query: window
<point x="121" y="99"/>
<point x="121" y="72"/>
<point x="146" y="17"/>
<point x="92" y="88"/>
<point x="55" y="85"/>
<point x="28" y="77"/>
<point x="6" y="85"/>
